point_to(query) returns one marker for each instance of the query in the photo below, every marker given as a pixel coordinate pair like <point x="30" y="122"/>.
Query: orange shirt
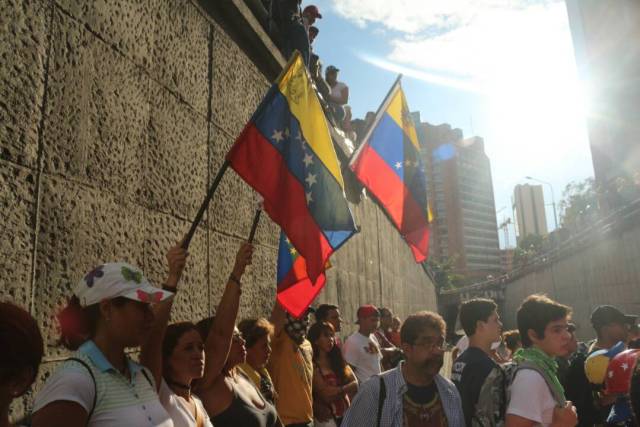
<point x="291" y="369"/>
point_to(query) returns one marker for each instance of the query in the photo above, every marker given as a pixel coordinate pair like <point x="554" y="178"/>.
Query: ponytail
<point x="77" y="324"/>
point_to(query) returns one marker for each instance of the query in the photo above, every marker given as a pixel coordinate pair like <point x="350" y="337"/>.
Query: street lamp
<point x="553" y="197"/>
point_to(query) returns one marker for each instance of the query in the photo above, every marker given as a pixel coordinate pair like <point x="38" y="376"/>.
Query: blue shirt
<point x="364" y="408"/>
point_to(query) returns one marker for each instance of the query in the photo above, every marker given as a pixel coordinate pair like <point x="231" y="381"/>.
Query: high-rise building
<point x="460" y="192"/>
<point x="606" y="39"/>
<point x="528" y="206"/>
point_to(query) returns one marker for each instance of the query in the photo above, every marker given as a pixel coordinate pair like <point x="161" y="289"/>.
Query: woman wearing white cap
<point x="99" y="386"/>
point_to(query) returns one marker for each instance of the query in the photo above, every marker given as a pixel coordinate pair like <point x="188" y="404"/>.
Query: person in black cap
<point x="611" y="326"/>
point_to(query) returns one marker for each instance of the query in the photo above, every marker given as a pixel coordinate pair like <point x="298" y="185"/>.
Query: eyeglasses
<point x="432" y="343"/>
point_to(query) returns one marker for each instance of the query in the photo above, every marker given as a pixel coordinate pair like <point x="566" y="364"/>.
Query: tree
<point x="528" y="248"/>
<point x="579" y="204"/>
<point x="443" y="272"/>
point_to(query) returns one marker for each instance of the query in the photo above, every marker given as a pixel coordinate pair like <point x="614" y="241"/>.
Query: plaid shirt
<point x="364" y="409"/>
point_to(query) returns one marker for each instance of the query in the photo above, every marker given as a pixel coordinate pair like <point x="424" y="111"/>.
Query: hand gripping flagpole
<point x="205" y="204"/>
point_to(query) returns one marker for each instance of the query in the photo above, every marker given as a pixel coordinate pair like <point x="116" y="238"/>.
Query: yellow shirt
<point x="291" y="369"/>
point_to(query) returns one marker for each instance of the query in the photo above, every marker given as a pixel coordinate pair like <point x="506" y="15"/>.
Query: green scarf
<point x="543" y="361"/>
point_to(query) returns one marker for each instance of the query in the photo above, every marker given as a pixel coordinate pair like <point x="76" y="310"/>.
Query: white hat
<point x="117" y="279"/>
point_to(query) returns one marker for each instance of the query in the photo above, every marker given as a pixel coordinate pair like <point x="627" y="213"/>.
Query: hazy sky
<point x="500" y="69"/>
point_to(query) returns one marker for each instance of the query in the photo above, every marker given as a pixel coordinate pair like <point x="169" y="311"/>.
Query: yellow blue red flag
<point x="286" y="154"/>
<point x="390" y="166"/>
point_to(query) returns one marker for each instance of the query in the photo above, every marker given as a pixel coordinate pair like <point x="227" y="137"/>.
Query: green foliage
<point x="528" y="248"/>
<point x="579" y="204"/>
<point x="444" y="274"/>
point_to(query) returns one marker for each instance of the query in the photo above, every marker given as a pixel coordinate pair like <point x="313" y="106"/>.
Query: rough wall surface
<point x="114" y="117"/>
<point x="606" y="272"/>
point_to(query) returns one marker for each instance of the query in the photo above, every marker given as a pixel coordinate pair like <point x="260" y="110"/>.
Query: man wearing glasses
<point x="413" y="394"/>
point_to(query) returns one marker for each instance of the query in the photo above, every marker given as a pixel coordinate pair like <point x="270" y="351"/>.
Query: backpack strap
<point x="382" y="395"/>
<point x="558" y="397"/>
<point x="146" y="375"/>
<point x="95" y="384"/>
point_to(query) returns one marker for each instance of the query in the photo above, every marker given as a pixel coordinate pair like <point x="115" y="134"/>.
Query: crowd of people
<point x="295" y="30"/>
<point x="284" y="371"/>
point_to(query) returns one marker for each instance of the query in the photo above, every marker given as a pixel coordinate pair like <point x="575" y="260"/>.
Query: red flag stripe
<point x="376" y="175"/>
<point x="261" y="166"/>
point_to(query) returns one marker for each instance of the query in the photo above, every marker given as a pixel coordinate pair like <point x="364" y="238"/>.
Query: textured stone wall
<point x="606" y="272"/>
<point x="114" y="117"/>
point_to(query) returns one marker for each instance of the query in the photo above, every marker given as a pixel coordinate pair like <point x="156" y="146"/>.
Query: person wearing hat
<point x="309" y="15"/>
<point x="110" y="311"/>
<point x="339" y="94"/>
<point x="362" y="350"/>
<point x="611" y="326"/>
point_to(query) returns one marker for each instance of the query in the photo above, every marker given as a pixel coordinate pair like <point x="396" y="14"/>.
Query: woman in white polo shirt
<point x="99" y="386"/>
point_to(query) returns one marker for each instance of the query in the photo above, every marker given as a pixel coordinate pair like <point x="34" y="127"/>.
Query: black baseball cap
<point x="604" y="315"/>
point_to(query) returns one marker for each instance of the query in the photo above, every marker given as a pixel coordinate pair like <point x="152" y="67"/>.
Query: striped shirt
<point x="119" y="401"/>
<point x="364" y="408"/>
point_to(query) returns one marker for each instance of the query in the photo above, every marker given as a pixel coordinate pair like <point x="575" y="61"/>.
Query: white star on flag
<point x="309" y="198"/>
<point x="310" y="179"/>
<point x="277" y="135"/>
<point x="624" y="366"/>
<point x="307" y="159"/>
<point x="398" y="165"/>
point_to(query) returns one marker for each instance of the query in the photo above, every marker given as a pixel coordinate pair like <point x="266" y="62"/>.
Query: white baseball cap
<point x="117" y="279"/>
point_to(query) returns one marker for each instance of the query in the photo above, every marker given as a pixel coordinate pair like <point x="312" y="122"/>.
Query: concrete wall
<point x="114" y="117"/>
<point x="607" y="271"/>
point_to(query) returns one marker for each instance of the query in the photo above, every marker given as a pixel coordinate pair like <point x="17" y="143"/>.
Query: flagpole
<point x="254" y="226"/>
<point x="379" y="112"/>
<point x="205" y="204"/>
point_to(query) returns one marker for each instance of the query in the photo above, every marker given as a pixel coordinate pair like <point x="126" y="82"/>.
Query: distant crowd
<point x="284" y="371"/>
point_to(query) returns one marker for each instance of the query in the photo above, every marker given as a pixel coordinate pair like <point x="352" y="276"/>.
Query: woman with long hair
<point x="334" y="383"/>
<point x="178" y="356"/>
<point x="22" y="349"/>
<point x="228" y="396"/>
<point x="110" y="311"/>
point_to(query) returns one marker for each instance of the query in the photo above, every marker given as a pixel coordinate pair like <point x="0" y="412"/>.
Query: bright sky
<point x="500" y="69"/>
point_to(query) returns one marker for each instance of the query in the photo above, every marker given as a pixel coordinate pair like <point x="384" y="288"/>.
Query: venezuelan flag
<point x="389" y="165"/>
<point x="286" y="154"/>
<point x="295" y="290"/>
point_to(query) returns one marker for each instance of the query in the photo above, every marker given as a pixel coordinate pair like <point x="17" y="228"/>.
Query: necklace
<point x="179" y="385"/>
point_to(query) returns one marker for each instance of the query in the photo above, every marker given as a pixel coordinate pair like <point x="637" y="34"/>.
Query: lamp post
<point x="553" y="198"/>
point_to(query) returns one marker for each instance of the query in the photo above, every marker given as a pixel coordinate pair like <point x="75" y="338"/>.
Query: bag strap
<point x="146" y="375"/>
<point x="560" y="399"/>
<point x="382" y="395"/>
<point x="95" y="384"/>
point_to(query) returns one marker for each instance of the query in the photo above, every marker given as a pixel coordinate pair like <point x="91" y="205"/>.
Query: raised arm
<point x="218" y="341"/>
<point x="151" y="351"/>
<point x="278" y="319"/>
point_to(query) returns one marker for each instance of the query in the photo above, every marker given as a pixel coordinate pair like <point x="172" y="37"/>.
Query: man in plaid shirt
<point x="413" y="394"/>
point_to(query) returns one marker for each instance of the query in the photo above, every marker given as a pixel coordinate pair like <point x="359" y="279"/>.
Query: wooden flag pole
<point x="205" y="204"/>
<point x="254" y="226"/>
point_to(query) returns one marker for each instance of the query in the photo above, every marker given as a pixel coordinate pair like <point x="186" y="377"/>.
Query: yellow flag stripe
<point x="304" y="105"/>
<point x="399" y="112"/>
